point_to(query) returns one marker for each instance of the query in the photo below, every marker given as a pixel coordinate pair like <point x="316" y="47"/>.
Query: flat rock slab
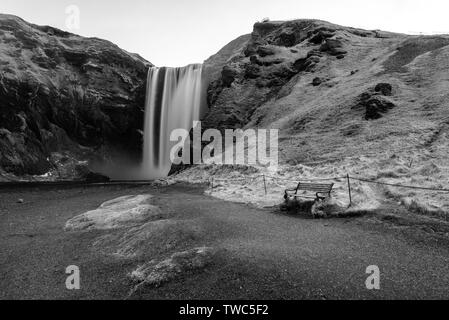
<point x="121" y="212"/>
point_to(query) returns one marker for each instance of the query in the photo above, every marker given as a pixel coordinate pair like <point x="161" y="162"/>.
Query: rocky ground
<point x="191" y="246"/>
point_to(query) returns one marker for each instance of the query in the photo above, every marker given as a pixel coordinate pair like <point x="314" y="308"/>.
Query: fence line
<point x="311" y="180"/>
<point x="236" y="179"/>
<point x="399" y="185"/>
<point x="250" y="179"/>
<point x="277" y="178"/>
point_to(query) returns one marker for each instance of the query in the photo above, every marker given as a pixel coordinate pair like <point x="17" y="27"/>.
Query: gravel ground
<point x="262" y="254"/>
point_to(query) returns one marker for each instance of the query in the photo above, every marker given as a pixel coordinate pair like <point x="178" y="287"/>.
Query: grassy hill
<point x="372" y="104"/>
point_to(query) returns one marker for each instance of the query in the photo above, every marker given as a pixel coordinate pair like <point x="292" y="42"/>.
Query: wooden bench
<point x="322" y="191"/>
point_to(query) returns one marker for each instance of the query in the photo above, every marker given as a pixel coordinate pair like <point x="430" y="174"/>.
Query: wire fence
<point x="400" y="185"/>
<point x="338" y="179"/>
<point x="346" y="178"/>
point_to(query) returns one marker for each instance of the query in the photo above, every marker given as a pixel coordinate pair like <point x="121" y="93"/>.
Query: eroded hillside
<point x="369" y="103"/>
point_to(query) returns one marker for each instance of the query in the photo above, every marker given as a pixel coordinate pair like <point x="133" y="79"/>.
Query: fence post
<point x="212" y="185"/>
<point x="349" y="190"/>
<point x="265" y="184"/>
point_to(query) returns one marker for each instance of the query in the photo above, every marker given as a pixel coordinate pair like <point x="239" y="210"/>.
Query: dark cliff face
<point x="60" y="92"/>
<point x="262" y="67"/>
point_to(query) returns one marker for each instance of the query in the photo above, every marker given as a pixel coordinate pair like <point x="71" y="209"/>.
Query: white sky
<point x="179" y="32"/>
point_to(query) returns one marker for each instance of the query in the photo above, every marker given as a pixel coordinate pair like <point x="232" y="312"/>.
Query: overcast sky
<point x="179" y="32"/>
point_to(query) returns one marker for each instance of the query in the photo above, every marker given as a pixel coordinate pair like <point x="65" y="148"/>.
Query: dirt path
<point x="262" y="254"/>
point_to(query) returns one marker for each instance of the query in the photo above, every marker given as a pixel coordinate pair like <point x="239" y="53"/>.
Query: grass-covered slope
<point x="370" y="103"/>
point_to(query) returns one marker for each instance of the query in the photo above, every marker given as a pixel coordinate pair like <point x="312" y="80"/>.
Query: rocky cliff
<point x="65" y="97"/>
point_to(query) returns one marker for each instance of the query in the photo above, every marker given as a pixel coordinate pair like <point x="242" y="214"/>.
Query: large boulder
<point x="121" y="212"/>
<point x="377" y="106"/>
<point x="375" y="102"/>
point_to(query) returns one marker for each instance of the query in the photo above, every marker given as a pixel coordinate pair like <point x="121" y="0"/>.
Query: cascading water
<point x="173" y="101"/>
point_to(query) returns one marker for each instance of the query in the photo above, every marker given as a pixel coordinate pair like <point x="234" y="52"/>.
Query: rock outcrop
<point x="259" y="68"/>
<point x="375" y="102"/>
<point x="127" y="211"/>
<point x="62" y="93"/>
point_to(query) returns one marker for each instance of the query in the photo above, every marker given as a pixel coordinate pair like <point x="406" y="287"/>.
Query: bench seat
<point x="321" y="190"/>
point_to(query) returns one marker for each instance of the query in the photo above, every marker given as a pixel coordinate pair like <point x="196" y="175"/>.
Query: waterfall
<point x="173" y="101"/>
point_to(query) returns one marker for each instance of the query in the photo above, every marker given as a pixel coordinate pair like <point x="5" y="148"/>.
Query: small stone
<point x="385" y="89"/>
<point x="20" y="201"/>
<point x="317" y="81"/>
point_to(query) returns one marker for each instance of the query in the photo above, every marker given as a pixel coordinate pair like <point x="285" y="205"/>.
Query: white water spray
<point x="173" y="101"/>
